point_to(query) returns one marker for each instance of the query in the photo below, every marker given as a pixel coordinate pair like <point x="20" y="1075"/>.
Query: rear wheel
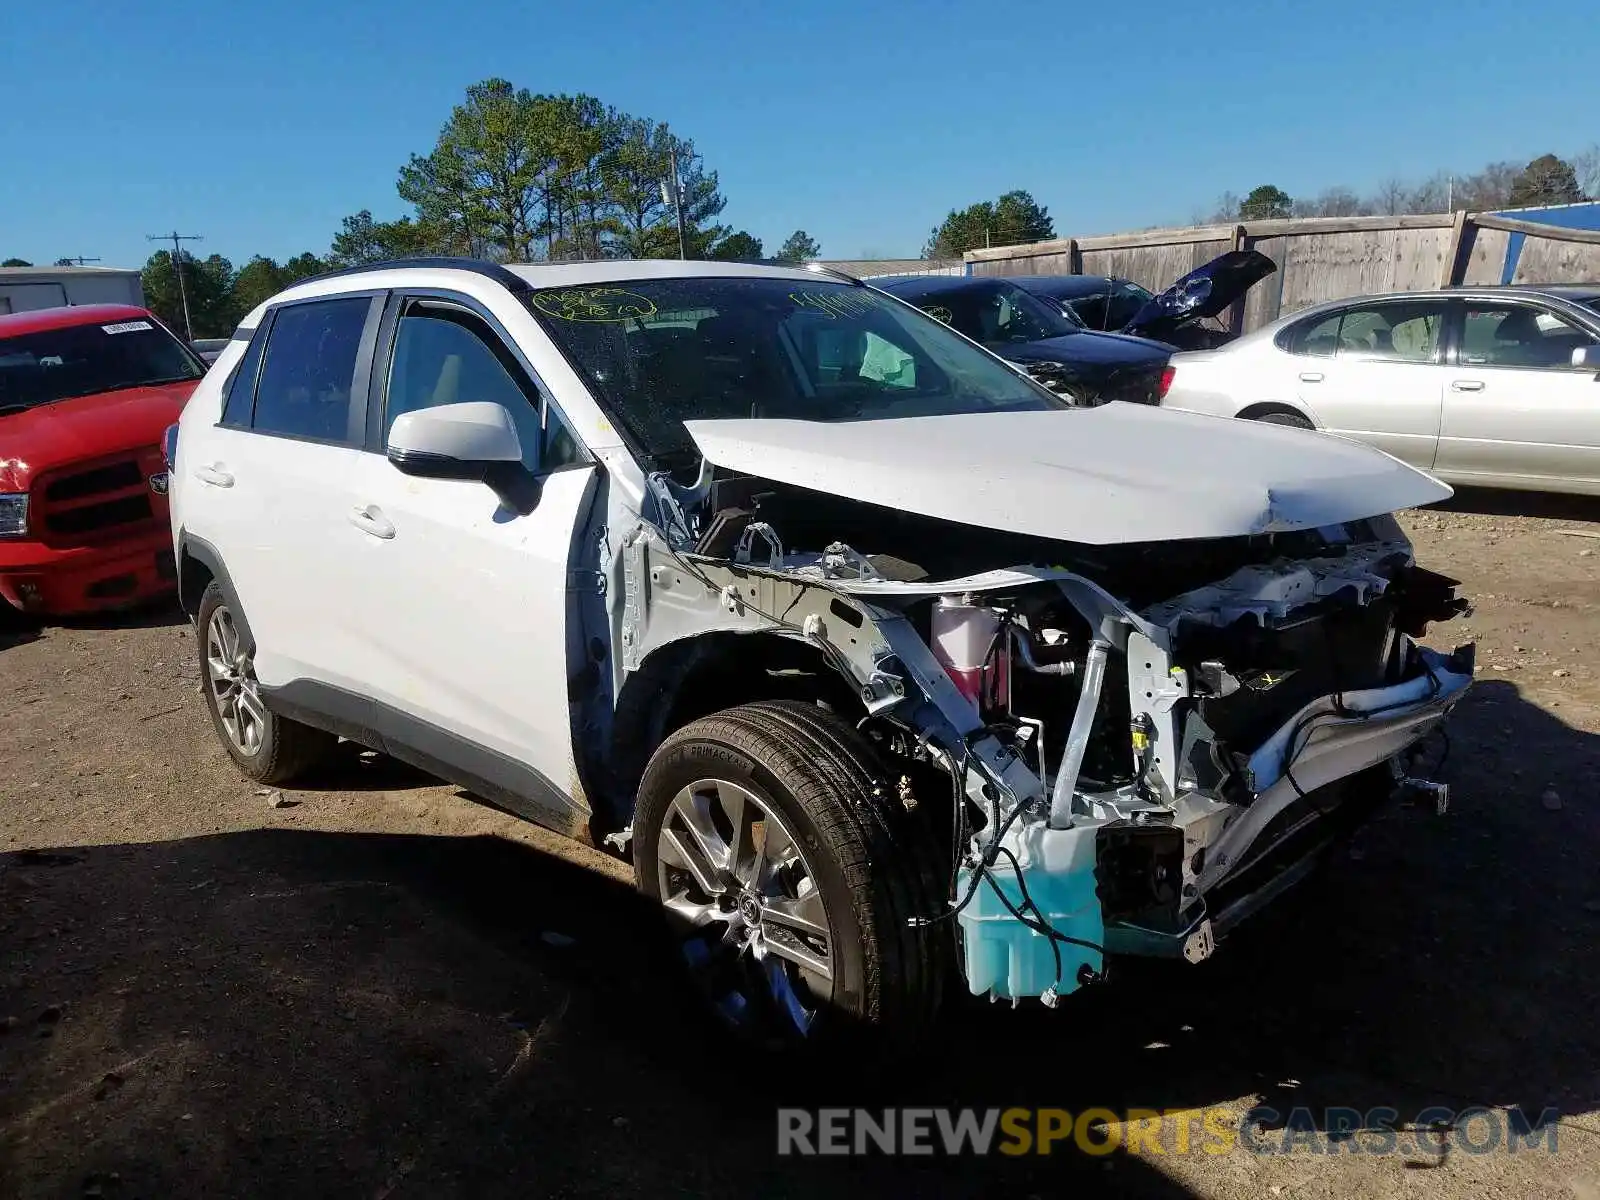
<point x="268" y="748"/>
<point x="1292" y="420"/>
<point x="789" y="873"/>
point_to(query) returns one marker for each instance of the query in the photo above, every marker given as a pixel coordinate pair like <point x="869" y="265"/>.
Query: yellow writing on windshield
<point x="594" y="304"/>
<point x="842" y="303"/>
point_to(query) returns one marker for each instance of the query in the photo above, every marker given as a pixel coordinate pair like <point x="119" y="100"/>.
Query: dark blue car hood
<point x="1079" y="350"/>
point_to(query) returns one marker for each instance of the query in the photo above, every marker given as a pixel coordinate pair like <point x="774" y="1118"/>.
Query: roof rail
<point x="824" y="269"/>
<point x="507" y="279"/>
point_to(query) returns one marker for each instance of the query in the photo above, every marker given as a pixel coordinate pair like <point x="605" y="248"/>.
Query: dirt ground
<point x="383" y="989"/>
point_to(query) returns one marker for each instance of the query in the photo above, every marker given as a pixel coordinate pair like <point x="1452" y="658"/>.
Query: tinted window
<point x="1509" y="335"/>
<point x="996" y="314"/>
<point x="443" y="355"/>
<point x="242" y="386"/>
<point x="85" y="360"/>
<point x="1403" y="332"/>
<point x="659" y="352"/>
<point x="310" y="369"/>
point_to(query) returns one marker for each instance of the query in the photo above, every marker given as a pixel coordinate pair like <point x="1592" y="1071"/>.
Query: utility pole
<point x="177" y="265"/>
<point x="677" y="199"/>
<point x="74" y="260"/>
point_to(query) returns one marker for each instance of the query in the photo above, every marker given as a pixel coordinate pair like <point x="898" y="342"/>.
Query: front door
<point x="1516" y="412"/>
<point x="1370" y="372"/>
<point x="473" y="634"/>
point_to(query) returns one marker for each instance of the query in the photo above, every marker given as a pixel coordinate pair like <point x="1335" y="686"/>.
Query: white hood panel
<point x="1098" y="476"/>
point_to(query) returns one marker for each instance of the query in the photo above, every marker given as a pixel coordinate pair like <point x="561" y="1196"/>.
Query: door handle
<point x="1466" y="385"/>
<point x="371" y="520"/>
<point x="214" y="475"/>
<point x="1310" y="376"/>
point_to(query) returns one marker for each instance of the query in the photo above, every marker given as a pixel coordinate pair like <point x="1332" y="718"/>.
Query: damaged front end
<point x="1147" y="741"/>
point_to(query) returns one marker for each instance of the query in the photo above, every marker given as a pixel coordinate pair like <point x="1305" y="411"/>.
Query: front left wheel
<point x="267" y="747"/>
<point x="791" y="873"/>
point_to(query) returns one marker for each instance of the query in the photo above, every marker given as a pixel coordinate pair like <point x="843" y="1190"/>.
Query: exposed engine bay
<point x="1146" y="740"/>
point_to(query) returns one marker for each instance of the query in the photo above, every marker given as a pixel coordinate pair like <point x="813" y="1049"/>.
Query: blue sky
<point x="863" y="122"/>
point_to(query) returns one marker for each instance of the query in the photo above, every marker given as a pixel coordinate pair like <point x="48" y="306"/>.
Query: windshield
<point x="83" y="360"/>
<point x="659" y="352"/>
<point x="1594" y="303"/>
<point x="1112" y="308"/>
<point x="994" y="312"/>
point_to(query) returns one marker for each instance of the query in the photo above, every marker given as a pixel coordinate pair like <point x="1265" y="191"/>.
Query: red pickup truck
<point x="85" y="395"/>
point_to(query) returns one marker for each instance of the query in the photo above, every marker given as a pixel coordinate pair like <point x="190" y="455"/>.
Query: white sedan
<point x="1487" y="387"/>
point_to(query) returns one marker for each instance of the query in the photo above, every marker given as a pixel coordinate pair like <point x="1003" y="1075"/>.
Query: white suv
<point x="880" y="660"/>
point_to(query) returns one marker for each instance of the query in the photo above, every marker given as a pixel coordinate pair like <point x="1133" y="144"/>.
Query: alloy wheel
<point x="231" y="675"/>
<point x="737" y="886"/>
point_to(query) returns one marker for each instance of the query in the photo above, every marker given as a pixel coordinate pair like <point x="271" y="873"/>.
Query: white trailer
<point x="24" y="288"/>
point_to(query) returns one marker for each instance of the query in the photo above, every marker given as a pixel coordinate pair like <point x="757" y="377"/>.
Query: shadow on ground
<point x="286" y="1013"/>
<point x="1501" y="502"/>
<point x="16" y="627"/>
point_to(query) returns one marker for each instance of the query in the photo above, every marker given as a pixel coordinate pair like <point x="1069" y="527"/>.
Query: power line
<point x="177" y="265"/>
<point x="74" y="260"/>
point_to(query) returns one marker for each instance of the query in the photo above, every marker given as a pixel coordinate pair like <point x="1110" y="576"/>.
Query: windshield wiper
<point x="155" y="382"/>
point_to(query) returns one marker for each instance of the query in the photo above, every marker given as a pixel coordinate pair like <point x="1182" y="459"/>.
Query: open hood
<point x="1101" y="476"/>
<point x="1203" y="292"/>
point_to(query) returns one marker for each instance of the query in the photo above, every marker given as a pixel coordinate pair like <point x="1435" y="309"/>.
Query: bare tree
<point x="1430" y="196"/>
<point x="1334" y="202"/>
<point x="1489" y="189"/>
<point x="1225" y="210"/>
<point x="1586" y="167"/>
<point x="1390" y="198"/>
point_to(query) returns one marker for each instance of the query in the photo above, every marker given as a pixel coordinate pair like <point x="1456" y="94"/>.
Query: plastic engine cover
<point x="1003" y="956"/>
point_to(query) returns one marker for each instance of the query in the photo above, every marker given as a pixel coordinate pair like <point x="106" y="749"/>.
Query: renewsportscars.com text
<point x="1211" y="1131"/>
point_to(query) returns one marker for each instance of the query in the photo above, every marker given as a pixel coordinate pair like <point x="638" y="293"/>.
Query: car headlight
<point x="13" y="514"/>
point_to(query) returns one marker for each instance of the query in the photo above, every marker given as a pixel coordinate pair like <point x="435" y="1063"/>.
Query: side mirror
<point x="453" y="441"/>
<point x="1586" y="358"/>
<point x="476" y="440"/>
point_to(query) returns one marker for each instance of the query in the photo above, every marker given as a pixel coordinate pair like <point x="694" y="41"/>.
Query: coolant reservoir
<point x="965" y="639"/>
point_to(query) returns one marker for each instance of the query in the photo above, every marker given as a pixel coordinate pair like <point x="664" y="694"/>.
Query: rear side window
<point x="308" y="374"/>
<point x="242" y="386"/>
<point x="1403" y="332"/>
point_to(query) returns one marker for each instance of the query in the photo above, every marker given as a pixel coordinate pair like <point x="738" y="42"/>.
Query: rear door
<point x="1372" y="371"/>
<point x="1516" y="412"/>
<point x="275" y="473"/>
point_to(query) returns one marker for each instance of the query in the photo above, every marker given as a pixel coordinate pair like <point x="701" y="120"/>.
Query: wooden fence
<point x="1322" y="258"/>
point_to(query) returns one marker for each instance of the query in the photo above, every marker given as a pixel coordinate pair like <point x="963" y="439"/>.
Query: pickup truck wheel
<point x="789" y="873"/>
<point x="268" y="748"/>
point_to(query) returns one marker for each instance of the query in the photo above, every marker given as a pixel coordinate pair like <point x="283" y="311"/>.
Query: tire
<point x="1289" y="419"/>
<point x="268" y="748"/>
<point x="869" y="863"/>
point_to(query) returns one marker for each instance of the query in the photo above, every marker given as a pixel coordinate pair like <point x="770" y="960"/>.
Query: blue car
<point x="1086" y="367"/>
<point x="1177" y="316"/>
